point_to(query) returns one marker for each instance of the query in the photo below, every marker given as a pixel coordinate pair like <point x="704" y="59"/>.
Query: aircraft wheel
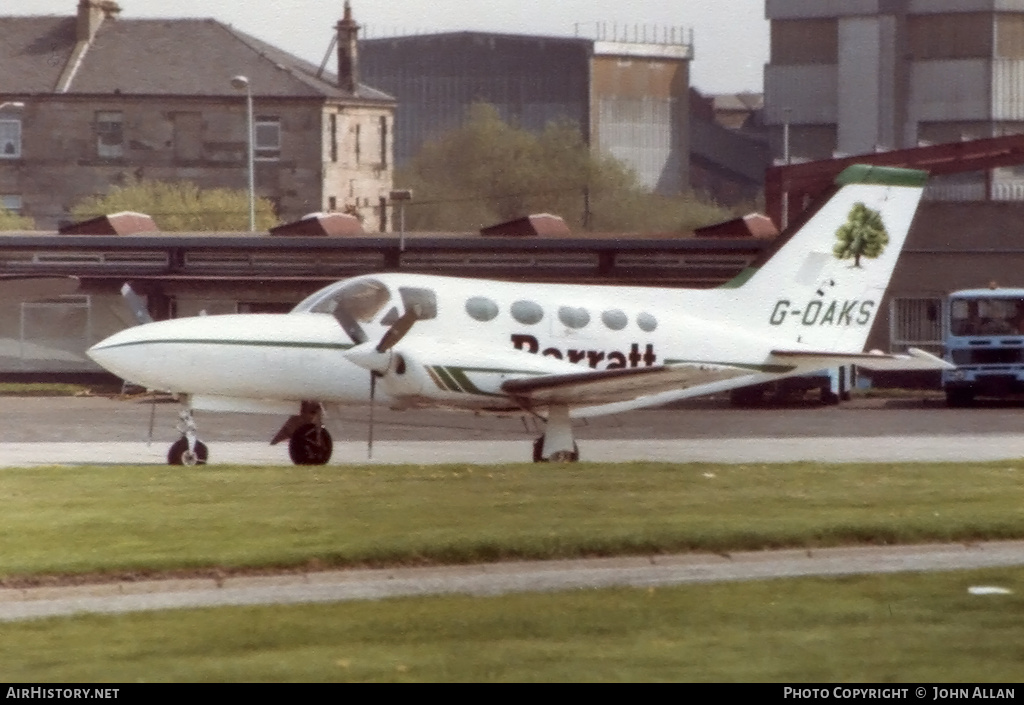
<point x="310" y="445"/>
<point x="560" y="457"/>
<point x="179" y="453"/>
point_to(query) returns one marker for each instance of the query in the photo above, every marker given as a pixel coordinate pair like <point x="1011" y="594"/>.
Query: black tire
<point x="959" y="398"/>
<point x="310" y="445"/>
<point x="177" y="451"/>
<point x="752" y="395"/>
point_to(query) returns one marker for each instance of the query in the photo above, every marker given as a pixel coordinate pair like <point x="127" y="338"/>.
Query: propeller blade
<point x="350" y="326"/>
<point x="373" y="396"/>
<point x="152" y="420"/>
<point x="396" y="332"/>
<point x="137" y="304"/>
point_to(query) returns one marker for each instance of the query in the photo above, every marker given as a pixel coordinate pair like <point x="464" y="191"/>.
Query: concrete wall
<point x="641" y="117"/>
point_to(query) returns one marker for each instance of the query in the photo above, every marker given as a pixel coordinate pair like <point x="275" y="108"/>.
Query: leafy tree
<point x="181" y="206"/>
<point x="863" y="235"/>
<point x="13" y="221"/>
<point x="488" y="172"/>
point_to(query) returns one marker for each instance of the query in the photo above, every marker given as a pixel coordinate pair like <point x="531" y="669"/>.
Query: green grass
<point x="151" y="519"/>
<point x="902" y="628"/>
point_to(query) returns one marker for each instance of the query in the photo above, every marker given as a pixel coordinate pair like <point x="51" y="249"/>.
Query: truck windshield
<point x="986" y="316"/>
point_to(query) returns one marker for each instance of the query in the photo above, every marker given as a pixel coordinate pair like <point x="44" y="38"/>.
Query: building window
<point x="358" y="143"/>
<point x="383" y="142"/>
<point x="268" y="139"/>
<point x="11" y="204"/>
<point x="10" y="139"/>
<point x="110" y="135"/>
<point x="915" y="322"/>
<point x="334" y="137"/>
<point x="332" y="203"/>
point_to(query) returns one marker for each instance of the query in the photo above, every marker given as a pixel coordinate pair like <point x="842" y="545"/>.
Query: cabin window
<point x="481" y="309"/>
<point x="573" y="317"/>
<point x="527" y="312"/>
<point x="647" y="322"/>
<point x="615" y="319"/>
<point x="422" y="302"/>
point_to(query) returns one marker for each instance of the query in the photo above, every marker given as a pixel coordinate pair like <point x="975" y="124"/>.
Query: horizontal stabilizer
<point x="914" y="359"/>
<point x="595" y="387"/>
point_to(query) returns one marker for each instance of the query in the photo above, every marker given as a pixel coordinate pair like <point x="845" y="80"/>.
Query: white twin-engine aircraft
<point x="554" y="351"/>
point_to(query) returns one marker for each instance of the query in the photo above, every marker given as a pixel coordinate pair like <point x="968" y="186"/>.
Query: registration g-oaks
<point x="816" y="313"/>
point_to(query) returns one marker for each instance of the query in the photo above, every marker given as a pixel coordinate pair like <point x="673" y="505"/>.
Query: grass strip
<point x="115" y="520"/>
<point x="901" y="628"/>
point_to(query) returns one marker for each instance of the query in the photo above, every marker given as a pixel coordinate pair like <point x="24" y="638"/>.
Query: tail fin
<point x="822" y="282"/>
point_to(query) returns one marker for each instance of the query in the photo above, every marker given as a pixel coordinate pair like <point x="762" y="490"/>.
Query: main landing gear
<point x="557" y="444"/>
<point x="309" y="443"/>
<point x="187" y="450"/>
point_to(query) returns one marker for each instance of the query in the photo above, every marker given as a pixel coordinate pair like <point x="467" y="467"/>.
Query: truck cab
<point x="984" y="338"/>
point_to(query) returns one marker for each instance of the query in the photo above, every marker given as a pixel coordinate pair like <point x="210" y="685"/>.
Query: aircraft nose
<point x="122" y="353"/>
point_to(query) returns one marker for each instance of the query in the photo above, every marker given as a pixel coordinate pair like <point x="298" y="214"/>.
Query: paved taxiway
<point x="81" y="431"/>
<point x="40" y="431"/>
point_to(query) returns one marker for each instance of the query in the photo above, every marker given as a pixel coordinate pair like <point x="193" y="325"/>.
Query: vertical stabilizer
<point x="822" y="282"/>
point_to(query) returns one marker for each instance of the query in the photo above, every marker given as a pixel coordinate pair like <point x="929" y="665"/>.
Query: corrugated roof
<point x="194" y="57"/>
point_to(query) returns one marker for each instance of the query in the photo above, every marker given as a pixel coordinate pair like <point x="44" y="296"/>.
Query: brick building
<point x="94" y="100"/>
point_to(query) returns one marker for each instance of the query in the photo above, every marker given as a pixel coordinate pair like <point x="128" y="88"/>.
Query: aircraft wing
<point x="596" y="387"/>
<point x="914" y="359"/>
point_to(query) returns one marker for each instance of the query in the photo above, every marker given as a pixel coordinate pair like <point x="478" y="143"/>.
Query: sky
<point x="730" y="36"/>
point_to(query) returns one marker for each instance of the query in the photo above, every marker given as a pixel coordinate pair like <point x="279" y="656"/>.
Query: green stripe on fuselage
<point x="242" y="343"/>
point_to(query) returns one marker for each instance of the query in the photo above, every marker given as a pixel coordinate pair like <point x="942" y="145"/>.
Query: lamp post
<point x="242" y="83"/>
<point x="401" y="197"/>
<point x="787" y="159"/>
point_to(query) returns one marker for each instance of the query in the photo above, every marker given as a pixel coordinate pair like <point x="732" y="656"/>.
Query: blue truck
<point x="984" y="338"/>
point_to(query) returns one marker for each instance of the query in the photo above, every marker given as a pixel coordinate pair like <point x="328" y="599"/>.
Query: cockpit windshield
<point x="365" y="300"/>
<point x="986" y="316"/>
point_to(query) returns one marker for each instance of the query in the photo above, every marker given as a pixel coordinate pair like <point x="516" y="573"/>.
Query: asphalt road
<point x="98" y="419"/>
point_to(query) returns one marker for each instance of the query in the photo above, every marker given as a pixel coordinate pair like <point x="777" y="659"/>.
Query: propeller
<point x="377" y="358"/>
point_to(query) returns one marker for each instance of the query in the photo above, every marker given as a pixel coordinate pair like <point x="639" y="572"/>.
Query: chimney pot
<point x="348" y="51"/>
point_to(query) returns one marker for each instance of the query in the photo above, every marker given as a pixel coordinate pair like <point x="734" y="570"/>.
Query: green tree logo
<point x="863" y="235"/>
